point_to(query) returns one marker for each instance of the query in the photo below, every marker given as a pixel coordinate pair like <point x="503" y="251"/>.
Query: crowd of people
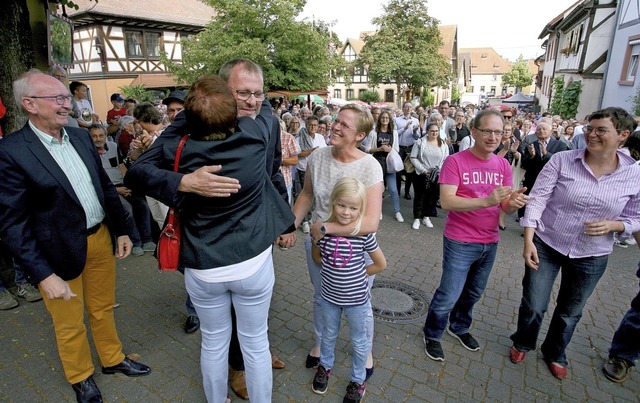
<point x="254" y="170"/>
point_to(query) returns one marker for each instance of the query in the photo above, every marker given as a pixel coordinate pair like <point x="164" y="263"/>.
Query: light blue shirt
<point x="579" y="141"/>
<point x="406" y="137"/>
<point x="76" y="171"/>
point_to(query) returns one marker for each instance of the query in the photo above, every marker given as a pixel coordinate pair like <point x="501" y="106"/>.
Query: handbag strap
<point x="176" y="163"/>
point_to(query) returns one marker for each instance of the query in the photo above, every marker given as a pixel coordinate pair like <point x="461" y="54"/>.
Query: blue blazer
<point x="41" y="219"/>
<point x="534" y="165"/>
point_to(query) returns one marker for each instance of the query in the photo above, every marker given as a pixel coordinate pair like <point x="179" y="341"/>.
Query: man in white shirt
<point x="408" y="129"/>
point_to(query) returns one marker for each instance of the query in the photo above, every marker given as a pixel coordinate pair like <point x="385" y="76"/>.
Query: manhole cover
<point x="394" y="302"/>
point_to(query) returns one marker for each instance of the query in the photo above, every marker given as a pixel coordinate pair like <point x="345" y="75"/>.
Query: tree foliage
<point x="294" y="55"/>
<point x="635" y="103"/>
<point x="519" y="76"/>
<point x="570" y="100"/>
<point x="556" y="95"/>
<point x="566" y="99"/>
<point x="16" y="50"/>
<point x="141" y="94"/>
<point x="369" y="96"/>
<point x="405" y="48"/>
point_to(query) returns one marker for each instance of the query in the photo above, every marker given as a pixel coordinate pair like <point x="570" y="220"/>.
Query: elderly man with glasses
<point x="537" y="154"/>
<point x="61" y="219"/>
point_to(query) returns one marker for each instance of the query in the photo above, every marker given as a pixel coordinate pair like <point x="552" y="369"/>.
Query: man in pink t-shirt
<point x="474" y="185"/>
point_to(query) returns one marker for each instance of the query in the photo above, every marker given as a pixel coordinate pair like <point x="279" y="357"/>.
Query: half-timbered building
<point x="578" y="48"/>
<point x="118" y="43"/>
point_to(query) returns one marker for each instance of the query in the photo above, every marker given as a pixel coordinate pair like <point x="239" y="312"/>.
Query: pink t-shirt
<point x="474" y="178"/>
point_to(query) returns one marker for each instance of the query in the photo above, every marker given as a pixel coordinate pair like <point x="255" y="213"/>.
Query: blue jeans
<point x="392" y="187"/>
<point x="251" y="298"/>
<point x="316" y="281"/>
<point x="466" y="267"/>
<point x="357" y="321"/>
<point x="579" y="279"/>
<point x="626" y="340"/>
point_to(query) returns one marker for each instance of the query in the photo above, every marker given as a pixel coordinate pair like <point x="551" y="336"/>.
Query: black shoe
<point x="192" y="324"/>
<point x="369" y="373"/>
<point x="312" y="362"/>
<point x="616" y="369"/>
<point x="87" y="391"/>
<point x="127" y="367"/>
<point x="466" y="339"/>
<point x="407" y="196"/>
<point x="321" y="381"/>
<point x="433" y="349"/>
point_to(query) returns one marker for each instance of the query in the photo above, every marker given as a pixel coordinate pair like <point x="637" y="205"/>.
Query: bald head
<point x="45" y="99"/>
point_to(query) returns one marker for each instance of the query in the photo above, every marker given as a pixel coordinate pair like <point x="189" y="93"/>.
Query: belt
<point x="93" y="230"/>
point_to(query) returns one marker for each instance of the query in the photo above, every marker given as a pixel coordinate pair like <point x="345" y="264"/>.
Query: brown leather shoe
<point x="238" y="383"/>
<point x="276" y="363"/>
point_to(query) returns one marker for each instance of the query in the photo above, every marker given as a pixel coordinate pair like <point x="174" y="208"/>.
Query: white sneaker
<point x="427" y="222"/>
<point x="416" y="224"/>
<point x="305" y="227"/>
<point x="630" y="241"/>
<point x="399" y="217"/>
<point x="620" y="244"/>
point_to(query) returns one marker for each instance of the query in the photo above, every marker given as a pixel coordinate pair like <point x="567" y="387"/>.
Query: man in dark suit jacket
<point x="58" y="210"/>
<point x="536" y="154"/>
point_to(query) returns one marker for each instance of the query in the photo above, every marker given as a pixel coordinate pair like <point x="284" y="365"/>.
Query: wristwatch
<point x="323" y="230"/>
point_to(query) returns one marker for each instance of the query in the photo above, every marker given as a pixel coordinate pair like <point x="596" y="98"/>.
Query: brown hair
<point x="211" y="103"/>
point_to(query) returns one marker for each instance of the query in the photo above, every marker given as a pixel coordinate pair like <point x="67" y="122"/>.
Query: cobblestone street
<point x="151" y="314"/>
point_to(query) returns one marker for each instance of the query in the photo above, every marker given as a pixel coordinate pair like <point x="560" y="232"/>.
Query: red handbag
<point x="169" y="243"/>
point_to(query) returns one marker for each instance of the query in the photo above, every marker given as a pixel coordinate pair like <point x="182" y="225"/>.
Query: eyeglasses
<point x="244" y="95"/>
<point x="487" y="132"/>
<point x="60" y="99"/>
<point x="507" y="116"/>
<point x="342" y="124"/>
<point x="600" y="131"/>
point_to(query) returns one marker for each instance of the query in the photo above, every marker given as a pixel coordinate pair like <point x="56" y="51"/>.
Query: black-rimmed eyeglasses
<point x="487" y="132"/>
<point x="600" y="131"/>
<point x="244" y="95"/>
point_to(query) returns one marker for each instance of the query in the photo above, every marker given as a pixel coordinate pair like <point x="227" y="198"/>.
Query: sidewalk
<point x="152" y="312"/>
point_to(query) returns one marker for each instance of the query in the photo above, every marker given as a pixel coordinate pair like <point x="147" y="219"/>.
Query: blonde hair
<point x="348" y="186"/>
<point x="364" y="120"/>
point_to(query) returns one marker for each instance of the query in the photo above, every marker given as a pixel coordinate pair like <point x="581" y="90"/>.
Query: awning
<point x="288" y="94"/>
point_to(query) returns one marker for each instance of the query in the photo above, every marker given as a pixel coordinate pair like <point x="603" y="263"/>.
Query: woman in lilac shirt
<point x="580" y="199"/>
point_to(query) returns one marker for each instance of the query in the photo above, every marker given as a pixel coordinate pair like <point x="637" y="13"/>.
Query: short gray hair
<point x="247" y="65"/>
<point x="57" y="69"/>
<point x="22" y="86"/>
<point x="434" y="116"/>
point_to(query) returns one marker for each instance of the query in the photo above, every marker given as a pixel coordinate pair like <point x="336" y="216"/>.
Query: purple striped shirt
<point x="567" y="194"/>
